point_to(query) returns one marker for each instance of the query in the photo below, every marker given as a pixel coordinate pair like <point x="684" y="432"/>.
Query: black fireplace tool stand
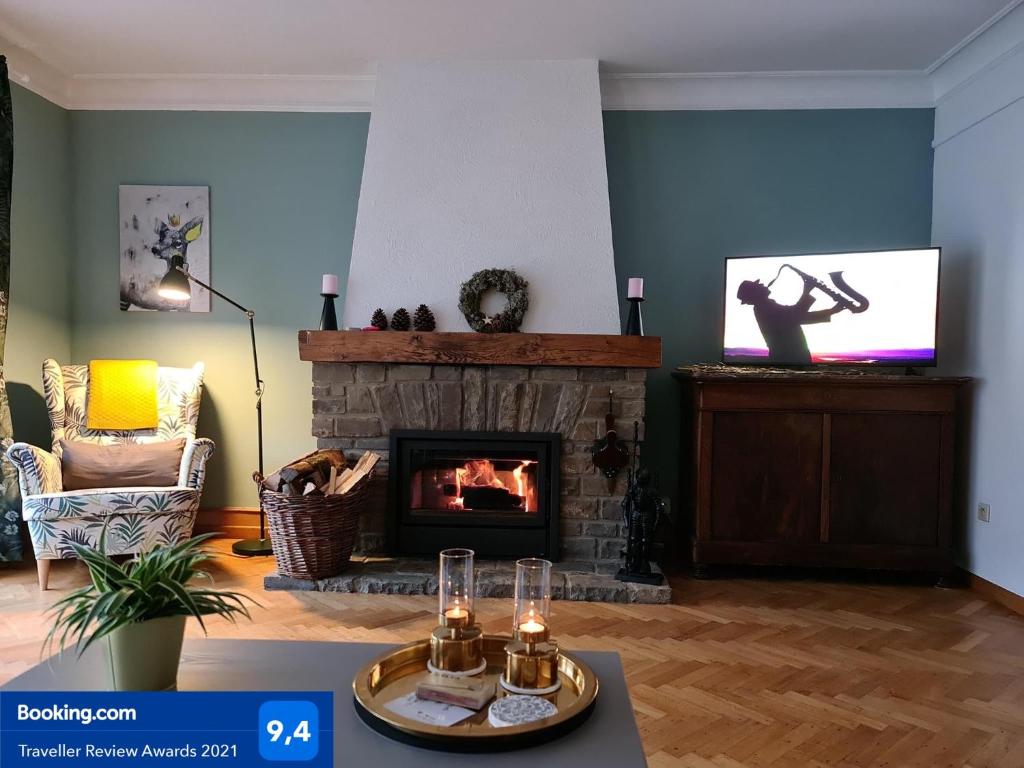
<point x="642" y="510"/>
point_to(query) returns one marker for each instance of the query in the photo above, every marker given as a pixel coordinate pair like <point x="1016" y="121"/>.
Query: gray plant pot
<point x="145" y="656"/>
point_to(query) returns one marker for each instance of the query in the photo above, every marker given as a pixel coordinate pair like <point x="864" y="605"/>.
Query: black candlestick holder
<point x="635" y="320"/>
<point x="328" y="317"/>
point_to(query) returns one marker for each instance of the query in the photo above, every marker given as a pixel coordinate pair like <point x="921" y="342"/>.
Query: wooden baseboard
<point x="230" y="522"/>
<point x="996" y="594"/>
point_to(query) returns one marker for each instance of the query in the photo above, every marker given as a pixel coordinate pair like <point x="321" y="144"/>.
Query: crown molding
<point x="195" y="92"/>
<point x="991" y="22"/>
<point x="985" y="50"/>
<point x="29" y="71"/>
<point x="223" y="93"/>
<point x="316" y="93"/>
<point x="766" y="90"/>
<point x="984" y="94"/>
<point x="980" y="79"/>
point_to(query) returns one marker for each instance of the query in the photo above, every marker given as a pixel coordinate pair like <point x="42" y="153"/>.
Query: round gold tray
<point x="396" y="673"/>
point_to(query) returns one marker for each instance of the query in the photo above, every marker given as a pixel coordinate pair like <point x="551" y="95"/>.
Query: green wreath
<point x="504" y="281"/>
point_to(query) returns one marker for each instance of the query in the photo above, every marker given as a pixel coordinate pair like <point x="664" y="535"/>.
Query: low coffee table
<point x="608" y="737"/>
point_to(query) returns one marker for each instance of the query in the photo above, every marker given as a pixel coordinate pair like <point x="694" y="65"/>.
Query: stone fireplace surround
<point x="355" y="404"/>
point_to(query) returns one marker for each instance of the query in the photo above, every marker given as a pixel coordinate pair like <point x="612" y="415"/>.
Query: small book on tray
<point x="469" y="692"/>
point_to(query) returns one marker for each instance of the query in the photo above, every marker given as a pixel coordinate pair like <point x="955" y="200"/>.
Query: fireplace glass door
<point x="491" y="492"/>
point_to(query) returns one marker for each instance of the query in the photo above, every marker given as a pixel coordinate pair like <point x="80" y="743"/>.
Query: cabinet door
<point x="766" y="477"/>
<point x="885" y="472"/>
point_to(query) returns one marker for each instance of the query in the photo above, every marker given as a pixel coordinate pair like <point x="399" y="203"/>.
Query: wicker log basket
<point x="313" y="536"/>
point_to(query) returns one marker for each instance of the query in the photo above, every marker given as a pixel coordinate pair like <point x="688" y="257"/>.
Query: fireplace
<point x="503" y="398"/>
<point x="493" y="492"/>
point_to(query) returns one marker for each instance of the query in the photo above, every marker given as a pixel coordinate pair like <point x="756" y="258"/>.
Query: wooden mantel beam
<point x="444" y="348"/>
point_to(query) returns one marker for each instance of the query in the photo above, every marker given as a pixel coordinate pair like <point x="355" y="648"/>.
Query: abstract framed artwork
<point x="158" y="224"/>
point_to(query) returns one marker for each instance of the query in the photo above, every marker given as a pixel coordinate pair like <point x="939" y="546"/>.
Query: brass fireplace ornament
<point x="456" y="644"/>
<point x="531" y="659"/>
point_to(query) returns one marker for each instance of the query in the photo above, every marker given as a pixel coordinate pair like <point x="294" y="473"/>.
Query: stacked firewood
<point x="322" y="473"/>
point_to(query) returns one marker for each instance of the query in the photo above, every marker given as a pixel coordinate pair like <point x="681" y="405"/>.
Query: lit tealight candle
<point x="330" y="285"/>
<point x="636" y="288"/>
<point x="531" y="626"/>
<point x="457" y="614"/>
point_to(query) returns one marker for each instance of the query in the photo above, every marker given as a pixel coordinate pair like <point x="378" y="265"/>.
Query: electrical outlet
<point x="984" y="512"/>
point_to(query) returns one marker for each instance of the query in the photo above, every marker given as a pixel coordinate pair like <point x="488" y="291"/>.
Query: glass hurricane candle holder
<point x="455" y="588"/>
<point x="456" y="645"/>
<point x="531" y="659"/>
<point x="532" y="600"/>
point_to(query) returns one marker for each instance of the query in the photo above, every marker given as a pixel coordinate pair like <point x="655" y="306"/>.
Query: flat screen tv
<point x="852" y="308"/>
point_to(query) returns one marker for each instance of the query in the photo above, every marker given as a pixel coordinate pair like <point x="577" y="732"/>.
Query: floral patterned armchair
<point x="131" y="519"/>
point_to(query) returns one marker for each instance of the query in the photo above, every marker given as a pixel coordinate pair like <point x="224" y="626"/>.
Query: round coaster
<point x="449" y="673"/>
<point x="519" y="710"/>
<point x="530" y="691"/>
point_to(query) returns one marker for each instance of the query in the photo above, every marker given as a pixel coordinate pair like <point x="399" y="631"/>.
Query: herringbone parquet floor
<point x="736" y="674"/>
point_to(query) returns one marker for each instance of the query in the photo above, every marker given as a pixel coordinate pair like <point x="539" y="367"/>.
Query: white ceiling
<point x="345" y="36"/>
<point x="109" y="40"/>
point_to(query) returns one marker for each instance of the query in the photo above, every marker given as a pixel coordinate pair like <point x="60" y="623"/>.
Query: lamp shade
<point x="174" y="285"/>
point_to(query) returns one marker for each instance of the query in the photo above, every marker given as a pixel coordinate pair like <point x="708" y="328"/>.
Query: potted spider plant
<point x="138" y="609"/>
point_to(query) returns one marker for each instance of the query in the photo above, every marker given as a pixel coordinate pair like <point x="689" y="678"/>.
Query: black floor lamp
<point x="175" y="286"/>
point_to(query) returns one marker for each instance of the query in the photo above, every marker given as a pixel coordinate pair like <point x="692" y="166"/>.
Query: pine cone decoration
<point x="500" y="324"/>
<point x="423" y="319"/>
<point x="379" y="320"/>
<point x="400" y="320"/>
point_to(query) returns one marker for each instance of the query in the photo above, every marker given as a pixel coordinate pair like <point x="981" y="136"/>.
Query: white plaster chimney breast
<point x="476" y="164"/>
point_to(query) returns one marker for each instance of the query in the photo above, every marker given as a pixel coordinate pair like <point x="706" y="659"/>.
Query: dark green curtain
<point x="10" y="540"/>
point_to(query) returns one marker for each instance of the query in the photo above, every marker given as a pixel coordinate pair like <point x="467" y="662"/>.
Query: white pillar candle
<point x="636" y="288"/>
<point x="330" y="284"/>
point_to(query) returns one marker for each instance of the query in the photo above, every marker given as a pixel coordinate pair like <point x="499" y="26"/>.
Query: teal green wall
<point x="688" y="189"/>
<point x="41" y="245"/>
<point x="283" y="193"/>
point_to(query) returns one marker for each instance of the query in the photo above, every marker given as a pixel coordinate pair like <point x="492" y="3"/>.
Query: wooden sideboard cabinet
<point x="819" y="469"/>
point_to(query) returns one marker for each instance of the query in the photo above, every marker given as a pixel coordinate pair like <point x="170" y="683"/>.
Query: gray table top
<point x="608" y="738"/>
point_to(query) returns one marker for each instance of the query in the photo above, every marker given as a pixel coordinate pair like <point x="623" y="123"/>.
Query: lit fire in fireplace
<point x="494" y="492"/>
<point x="485" y="486"/>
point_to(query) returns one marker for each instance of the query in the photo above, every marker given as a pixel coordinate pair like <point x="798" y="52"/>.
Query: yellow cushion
<point x="122" y="394"/>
